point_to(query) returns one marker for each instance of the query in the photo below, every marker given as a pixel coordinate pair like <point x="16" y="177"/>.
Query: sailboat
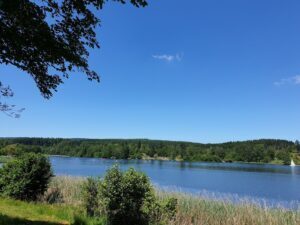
<point x="292" y="163"/>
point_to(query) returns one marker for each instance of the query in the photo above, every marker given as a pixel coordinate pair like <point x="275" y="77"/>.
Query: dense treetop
<point x="263" y="151"/>
<point x="49" y="40"/>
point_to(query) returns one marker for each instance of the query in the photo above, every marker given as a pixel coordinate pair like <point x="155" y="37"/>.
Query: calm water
<point x="273" y="183"/>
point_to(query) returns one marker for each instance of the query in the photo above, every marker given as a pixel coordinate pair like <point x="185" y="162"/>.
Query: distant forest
<point x="259" y="151"/>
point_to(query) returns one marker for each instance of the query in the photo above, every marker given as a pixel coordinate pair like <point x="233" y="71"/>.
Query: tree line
<point x="261" y="151"/>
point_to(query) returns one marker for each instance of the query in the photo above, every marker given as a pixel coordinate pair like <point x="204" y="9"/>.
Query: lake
<point x="273" y="184"/>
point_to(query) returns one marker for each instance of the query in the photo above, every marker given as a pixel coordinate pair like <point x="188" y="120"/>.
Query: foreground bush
<point x="123" y="195"/>
<point x="25" y="178"/>
<point x="90" y="194"/>
<point x="126" y="198"/>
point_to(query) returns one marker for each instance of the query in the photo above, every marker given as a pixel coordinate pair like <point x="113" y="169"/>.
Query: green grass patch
<point x="36" y="213"/>
<point x="4" y="159"/>
<point x="13" y="212"/>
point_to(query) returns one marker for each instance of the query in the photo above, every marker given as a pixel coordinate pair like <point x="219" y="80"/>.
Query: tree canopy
<point x="49" y="39"/>
<point x="261" y="151"/>
<point x="6" y="92"/>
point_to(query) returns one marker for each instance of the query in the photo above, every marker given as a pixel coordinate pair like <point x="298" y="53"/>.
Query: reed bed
<point x="64" y="189"/>
<point x="194" y="210"/>
<point x="197" y="210"/>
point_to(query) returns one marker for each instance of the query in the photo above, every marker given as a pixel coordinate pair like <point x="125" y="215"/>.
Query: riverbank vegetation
<point x="259" y="151"/>
<point x="191" y="210"/>
<point x="5" y="158"/>
<point x="195" y="210"/>
<point x="119" y="198"/>
<point x="30" y="194"/>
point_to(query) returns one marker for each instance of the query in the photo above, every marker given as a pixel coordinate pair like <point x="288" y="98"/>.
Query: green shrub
<point x="126" y="198"/>
<point x="90" y="196"/>
<point x="170" y="207"/>
<point x="19" y="149"/>
<point x="160" y="212"/>
<point x="25" y="178"/>
<point x="284" y="156"/>
<point x="123" y="195"/>
<point x="11" y="150"/>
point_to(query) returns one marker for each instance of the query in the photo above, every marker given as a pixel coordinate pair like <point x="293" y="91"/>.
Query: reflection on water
<point x="243" y="167"/>
<point x="273" y="183"/>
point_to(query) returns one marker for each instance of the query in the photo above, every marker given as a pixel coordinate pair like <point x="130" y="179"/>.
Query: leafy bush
<point x="170" y="207"/>
<point x="284" y="157"/>
<point x="19" y="149"/>
<point x="160" y="212"/>
<point x="123" y="195"/>
<point x="25" y="178"/>
<point x="126" y="198"/>
<point x="90" y="196"/>
<point x="11" y="150"/>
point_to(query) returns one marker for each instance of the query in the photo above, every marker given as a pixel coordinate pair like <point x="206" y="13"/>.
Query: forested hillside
<point x="263" y="151"/>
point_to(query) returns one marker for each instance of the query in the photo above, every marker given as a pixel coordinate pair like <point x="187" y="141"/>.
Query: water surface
<point x="273" y="183"/>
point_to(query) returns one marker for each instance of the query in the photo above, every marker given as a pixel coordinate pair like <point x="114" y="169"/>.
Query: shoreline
<point x="4" y="159"/>
<point x="189" y="211"/>
<point x="233" y="199"/>
<point x="148" y="158"/>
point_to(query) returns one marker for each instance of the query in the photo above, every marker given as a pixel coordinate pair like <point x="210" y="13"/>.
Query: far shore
<point x="4" y="159"/>
<point x="159" y="158"/>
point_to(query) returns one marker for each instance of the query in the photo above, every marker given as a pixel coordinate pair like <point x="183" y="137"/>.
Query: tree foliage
<point x="10" y="110"/>
<point x="126" y="197"/>
<point x="297" y="143"/>
<point x="263" y="151"/>
<point x="25" y="178"/>
<point x="19" y="149"/>
<point x="123" y="195"/>
<point x="90" y="197"/>
<point x="50" y="38"/>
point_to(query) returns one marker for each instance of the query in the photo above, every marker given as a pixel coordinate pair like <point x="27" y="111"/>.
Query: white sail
<point x="292" y="163"/>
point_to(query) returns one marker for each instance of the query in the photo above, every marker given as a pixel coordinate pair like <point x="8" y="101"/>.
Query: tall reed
<point x="196" y="210"/>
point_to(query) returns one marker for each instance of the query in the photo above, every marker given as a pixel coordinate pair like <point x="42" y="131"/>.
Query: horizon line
<point x="149" y="139"/>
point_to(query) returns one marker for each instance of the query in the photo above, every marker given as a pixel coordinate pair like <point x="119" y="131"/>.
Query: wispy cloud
<point x="169" y="58"/>
<point x="295" y="80"/>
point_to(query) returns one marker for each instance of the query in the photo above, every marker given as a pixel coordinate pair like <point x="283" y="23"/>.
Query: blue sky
<point x="195" y="70"/>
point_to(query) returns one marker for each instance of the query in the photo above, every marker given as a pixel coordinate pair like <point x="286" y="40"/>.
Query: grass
<point x="69" y="189"/>
<point x="4" y="159"/>
<point x="13" y="212"/>
<point x="191" y="210"/>
<point x="34" y="213"/>
<point x="196" y="210"/>
<point x="200" y="211"/>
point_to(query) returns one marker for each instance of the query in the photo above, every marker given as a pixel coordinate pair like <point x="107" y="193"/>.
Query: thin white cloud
<point x="169" y="58"/>
<point x="295" y="80"/>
